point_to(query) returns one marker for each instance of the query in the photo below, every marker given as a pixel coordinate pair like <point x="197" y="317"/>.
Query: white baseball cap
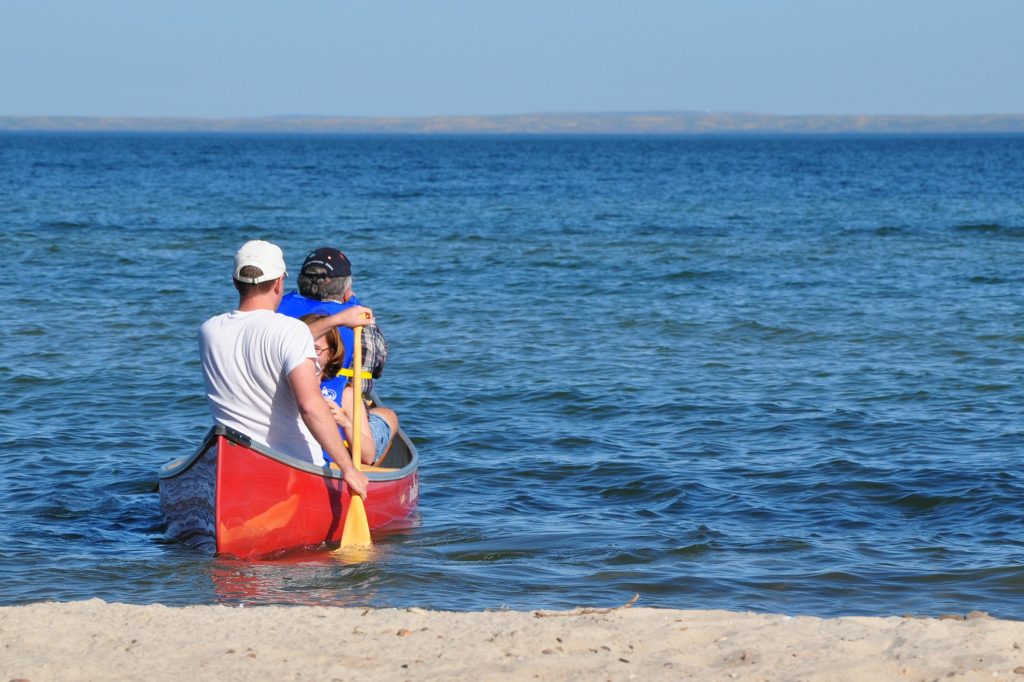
<point x="263" y="255"/>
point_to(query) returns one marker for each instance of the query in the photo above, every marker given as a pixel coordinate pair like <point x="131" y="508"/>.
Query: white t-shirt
<point x="247" y="357"/>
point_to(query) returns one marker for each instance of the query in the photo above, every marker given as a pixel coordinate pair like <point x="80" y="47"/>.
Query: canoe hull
<point x="240" y="499"/>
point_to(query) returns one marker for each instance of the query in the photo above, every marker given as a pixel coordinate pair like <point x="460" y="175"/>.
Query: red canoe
<point x="239" y="498"/>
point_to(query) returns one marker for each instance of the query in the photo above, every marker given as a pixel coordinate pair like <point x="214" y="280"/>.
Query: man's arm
<point x="356" y="316"/>
<point x="317" y="416"/>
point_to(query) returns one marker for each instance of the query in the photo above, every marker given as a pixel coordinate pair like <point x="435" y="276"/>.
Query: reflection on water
<point x="324" y="576"/>
<point x="320" y="579"/>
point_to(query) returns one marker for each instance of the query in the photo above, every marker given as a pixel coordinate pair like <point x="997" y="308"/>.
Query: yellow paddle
<point x="357" y="529"/>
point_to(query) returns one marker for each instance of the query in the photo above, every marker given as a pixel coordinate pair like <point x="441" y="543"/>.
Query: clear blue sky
<point x="228" y="58"/>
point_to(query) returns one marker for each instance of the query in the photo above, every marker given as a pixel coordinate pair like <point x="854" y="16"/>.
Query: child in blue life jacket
<point x="379" y="424"/>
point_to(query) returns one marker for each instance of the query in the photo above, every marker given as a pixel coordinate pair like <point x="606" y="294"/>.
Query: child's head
<point x="330" y="352"/>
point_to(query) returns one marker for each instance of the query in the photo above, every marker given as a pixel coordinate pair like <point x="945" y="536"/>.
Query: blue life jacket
<point x="332" y="390"/>
<point x="295" y="304"/>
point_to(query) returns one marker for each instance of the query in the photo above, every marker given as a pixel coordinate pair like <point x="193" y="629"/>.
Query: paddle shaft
<point x="357" y="398"/>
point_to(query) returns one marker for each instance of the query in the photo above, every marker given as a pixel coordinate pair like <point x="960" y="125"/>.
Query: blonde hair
<point x="337" y="348"/>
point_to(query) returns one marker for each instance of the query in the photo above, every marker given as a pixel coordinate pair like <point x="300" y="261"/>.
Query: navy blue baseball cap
<point x="330" y="263"/>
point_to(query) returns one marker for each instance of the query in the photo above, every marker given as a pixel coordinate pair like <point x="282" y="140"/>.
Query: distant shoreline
<point x="654" y="123"/>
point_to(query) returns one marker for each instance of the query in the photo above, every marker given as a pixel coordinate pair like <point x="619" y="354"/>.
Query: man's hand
<point x="339" y="415"/>
<point x="357" y="482"/>
<point x="356" y="316"/>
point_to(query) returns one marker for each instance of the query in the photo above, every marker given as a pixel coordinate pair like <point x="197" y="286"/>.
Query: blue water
<point x="777" y="374"/>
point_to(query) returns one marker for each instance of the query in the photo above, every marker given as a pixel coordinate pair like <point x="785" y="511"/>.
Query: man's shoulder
<point x="291" y="333"/>
<point x="215" y="322"/>
<point x="252" y="319"/>
<point x="286" y="322"/>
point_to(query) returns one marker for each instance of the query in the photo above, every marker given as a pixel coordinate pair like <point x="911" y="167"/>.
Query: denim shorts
<point x="381" y="431"/>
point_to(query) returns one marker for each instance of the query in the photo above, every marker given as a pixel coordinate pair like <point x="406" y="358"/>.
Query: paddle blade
<point x="356" y="532"/>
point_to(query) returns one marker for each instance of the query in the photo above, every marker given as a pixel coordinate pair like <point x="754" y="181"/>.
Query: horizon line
<point x="609" y="122"/>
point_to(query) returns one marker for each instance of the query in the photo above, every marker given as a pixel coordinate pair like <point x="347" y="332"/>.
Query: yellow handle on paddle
<point x="349" y="373"/>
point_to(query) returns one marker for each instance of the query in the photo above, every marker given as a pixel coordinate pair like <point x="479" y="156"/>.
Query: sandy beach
<point x="94" y="640"/>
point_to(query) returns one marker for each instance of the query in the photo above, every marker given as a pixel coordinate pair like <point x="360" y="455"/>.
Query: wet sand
<point x="93" y="640"/>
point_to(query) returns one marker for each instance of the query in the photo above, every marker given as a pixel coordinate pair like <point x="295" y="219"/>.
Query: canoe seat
<point x="366" y="468"/>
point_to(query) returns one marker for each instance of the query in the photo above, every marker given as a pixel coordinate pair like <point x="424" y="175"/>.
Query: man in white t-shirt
<point x="260" y="367"/>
